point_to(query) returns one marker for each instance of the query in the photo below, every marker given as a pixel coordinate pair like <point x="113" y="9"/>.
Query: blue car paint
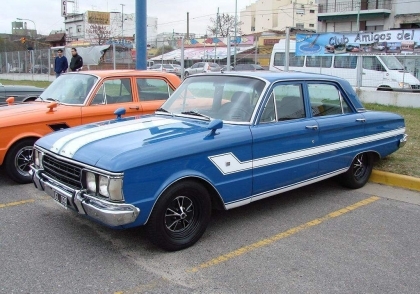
<point x="154" y="158"/>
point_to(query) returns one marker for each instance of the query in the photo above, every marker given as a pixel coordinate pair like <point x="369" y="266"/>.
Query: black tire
<point x="359" y="171"/>
<point x="180" y="216"/>
<point x="18" y="159"/>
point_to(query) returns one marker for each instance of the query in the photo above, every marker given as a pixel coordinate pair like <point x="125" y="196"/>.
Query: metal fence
<point x="38" y="64"/>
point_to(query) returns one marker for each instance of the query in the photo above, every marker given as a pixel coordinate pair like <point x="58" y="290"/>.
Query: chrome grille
<point x="64" y="172"/>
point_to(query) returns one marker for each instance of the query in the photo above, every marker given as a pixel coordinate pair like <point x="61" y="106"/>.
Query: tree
<point x="165" y="49"/>
<point x="225" y="26"/>
<point x="100" y="33"/>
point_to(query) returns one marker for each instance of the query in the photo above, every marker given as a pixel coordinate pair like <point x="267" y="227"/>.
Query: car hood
<point x="120" y="145"/>
<point x="23" y="113"/>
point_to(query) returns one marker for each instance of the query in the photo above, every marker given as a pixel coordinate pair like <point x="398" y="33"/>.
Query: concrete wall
<point x="402" y="99"/>
<point x="27" y="77"/>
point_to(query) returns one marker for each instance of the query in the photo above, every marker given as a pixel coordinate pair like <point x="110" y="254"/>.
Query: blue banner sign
<point x="392" y="42"/>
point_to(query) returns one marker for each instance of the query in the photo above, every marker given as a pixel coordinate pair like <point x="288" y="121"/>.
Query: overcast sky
<point x="171" y="14"/>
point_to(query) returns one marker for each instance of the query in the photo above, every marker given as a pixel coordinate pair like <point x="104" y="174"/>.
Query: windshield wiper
<point x="52" y="99"/>
<point x="196" y="113"/>
<point x="162" y="110"/>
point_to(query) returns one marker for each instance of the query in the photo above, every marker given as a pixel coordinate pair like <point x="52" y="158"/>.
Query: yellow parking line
<point x="282" y="235"/>
<point x="3" y="205"/>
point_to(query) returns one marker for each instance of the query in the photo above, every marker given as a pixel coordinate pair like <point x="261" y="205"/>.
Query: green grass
<point x="40" y="84"/>
<point x="405" y="161"/>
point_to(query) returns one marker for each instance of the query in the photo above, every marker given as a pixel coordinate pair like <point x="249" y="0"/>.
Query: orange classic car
<point x="74" y="99"/>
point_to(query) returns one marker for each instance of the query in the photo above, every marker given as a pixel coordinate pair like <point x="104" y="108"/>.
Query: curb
<point x="395" y="180"/>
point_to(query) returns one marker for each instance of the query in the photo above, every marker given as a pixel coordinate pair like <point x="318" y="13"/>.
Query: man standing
<point x="60" y="63"/>
<point x="76" y="62"/>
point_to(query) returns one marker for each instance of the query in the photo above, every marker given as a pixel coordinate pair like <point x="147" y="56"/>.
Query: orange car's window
<point x="114" y="91"/>
<point x="153" y="89"/>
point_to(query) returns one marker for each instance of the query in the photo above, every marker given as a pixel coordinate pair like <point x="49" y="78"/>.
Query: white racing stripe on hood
<point x="68" y="145"/>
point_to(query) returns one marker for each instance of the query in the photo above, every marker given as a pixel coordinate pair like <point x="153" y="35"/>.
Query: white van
<point x="384" y="72"/>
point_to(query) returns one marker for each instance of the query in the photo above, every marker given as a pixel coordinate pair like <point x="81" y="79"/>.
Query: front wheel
<point x="359" y="171"/>
<point x="18" y="160"/>
<point x="180" y="216"/>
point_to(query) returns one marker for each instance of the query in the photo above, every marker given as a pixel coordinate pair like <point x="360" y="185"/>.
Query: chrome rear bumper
<point x="109" y="213"/>
<point x="403" y="140"/>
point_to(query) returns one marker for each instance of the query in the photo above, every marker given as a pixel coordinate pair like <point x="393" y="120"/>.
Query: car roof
<point x="127" y="72"/>
<point x="274" y="76"/>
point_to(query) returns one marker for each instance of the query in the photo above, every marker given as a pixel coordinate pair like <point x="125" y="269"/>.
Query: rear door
<point x="340" y="126"/>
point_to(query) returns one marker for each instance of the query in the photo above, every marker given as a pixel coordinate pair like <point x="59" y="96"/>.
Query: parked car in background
<point x="19" y="93"/>
<point x="248" y="67"/>
<point x="177" y="68"/>
<point x="164" y="68"/>
<point x="74" y="99"/>
<point x="225" y="68"/>
<point x="40" y="69"/>
<point x="222" y="140"/>
<point x="202" y="67"/>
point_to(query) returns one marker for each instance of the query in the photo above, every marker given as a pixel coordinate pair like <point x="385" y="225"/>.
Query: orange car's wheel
<point x="18" y="160"/>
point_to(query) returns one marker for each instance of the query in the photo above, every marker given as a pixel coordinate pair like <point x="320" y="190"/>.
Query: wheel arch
<point x="16" y="141"/>
<point x="215" y="197"/>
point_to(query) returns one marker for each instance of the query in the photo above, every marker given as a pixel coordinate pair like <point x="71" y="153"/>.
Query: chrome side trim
<point x="285" y="189"/>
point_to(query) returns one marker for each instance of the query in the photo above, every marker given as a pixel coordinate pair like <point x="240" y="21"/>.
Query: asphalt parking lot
<point x="319" y="239"/>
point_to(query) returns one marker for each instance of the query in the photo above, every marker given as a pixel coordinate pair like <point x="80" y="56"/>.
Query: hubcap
<point x="359" y="166"/>
<point x="179" y="214"/>
<point x="23" y="159"/>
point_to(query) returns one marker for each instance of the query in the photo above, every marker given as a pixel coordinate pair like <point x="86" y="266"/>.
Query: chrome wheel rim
<point x="179" y="214"/>
<point x="23" y="159"/>
<point x="359" y="166"/>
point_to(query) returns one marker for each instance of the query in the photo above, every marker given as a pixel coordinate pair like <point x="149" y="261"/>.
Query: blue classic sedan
<point x="222" y="140"/>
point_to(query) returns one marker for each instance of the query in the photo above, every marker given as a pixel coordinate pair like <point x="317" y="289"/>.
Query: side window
<point x="318" y="61"/>
<point x="345" y="61"/>
<point x="279" y="59"/>
<point x="372" y="63"/>
<point x="326" y="99"/>
<point x="286" y="102"/>
<point x="114" y="91"/>
<point x="296" y="60"/>
<point x="153" y="89"/>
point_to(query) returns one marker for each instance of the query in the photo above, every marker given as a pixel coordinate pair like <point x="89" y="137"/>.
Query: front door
<point x="283" y="141"/>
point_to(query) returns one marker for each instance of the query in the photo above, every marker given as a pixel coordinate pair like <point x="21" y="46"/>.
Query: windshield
<point x="392" y="62"/>
<point x="223" y="97"/>
<point x="70" y="88"/>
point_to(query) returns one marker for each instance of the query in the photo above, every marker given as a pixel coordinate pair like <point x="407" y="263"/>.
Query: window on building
<point x="79" y="29"/>
<point x="300" y="25"/>
<point x="311" y="11"/>
<point x="311" y="25"/>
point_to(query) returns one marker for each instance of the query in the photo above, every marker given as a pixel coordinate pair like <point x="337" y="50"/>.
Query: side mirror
<point x="10" y="100"/>
<point x="119" y="112"/>
<point x="215" y="125"/>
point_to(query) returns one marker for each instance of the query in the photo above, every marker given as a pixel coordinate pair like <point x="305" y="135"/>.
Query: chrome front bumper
<point x="109" y="213"/>
<point x="403" y="140"/>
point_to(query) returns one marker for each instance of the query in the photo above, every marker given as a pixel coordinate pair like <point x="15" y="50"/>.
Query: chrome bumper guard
<point x="109" y="213"/>
<point x="403" y="140"/>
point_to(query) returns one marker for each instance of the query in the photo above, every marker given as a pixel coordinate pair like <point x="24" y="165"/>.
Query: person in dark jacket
<point x="76" y="62"/>
<point x="60" y="63"/>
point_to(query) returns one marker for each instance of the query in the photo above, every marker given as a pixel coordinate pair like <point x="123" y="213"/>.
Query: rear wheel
<point x="359" y="171"/>
<point x="180" y="216"/>
<point x="18" y="160"/>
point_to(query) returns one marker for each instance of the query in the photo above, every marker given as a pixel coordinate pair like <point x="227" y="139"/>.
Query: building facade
<point x="265" y="15"/>
<point x="97" y="27"/>
<point x="373" y="15"/>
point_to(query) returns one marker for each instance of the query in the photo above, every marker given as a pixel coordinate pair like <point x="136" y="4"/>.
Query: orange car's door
<point x="111" y="95"/>
<point x="153" y="92"/>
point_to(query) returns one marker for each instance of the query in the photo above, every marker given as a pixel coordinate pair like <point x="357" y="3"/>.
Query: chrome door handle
<point x="361" y="120"/>
<point x="134" y="107"/>
<point x="314" y="127"/>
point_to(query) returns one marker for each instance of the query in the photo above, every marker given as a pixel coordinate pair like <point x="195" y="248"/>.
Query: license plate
<point x="60" y="199"/>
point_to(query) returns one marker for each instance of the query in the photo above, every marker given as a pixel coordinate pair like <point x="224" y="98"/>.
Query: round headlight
<point x="91" y="182"/>
<point x="103" y="186"/>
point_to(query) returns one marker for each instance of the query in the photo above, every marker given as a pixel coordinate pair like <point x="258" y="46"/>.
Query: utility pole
<point x="236" y="24"/>
<point x="217" y="29"/>
<point x="188" y="25"/>
<point x="122" y="20"/>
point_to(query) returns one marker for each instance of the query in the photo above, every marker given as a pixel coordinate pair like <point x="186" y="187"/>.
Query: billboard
<point x="97" y="17"/>
<point x="404" y="41"/>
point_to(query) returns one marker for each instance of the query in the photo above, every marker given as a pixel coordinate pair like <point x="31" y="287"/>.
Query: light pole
<point x="122" y="20"/>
